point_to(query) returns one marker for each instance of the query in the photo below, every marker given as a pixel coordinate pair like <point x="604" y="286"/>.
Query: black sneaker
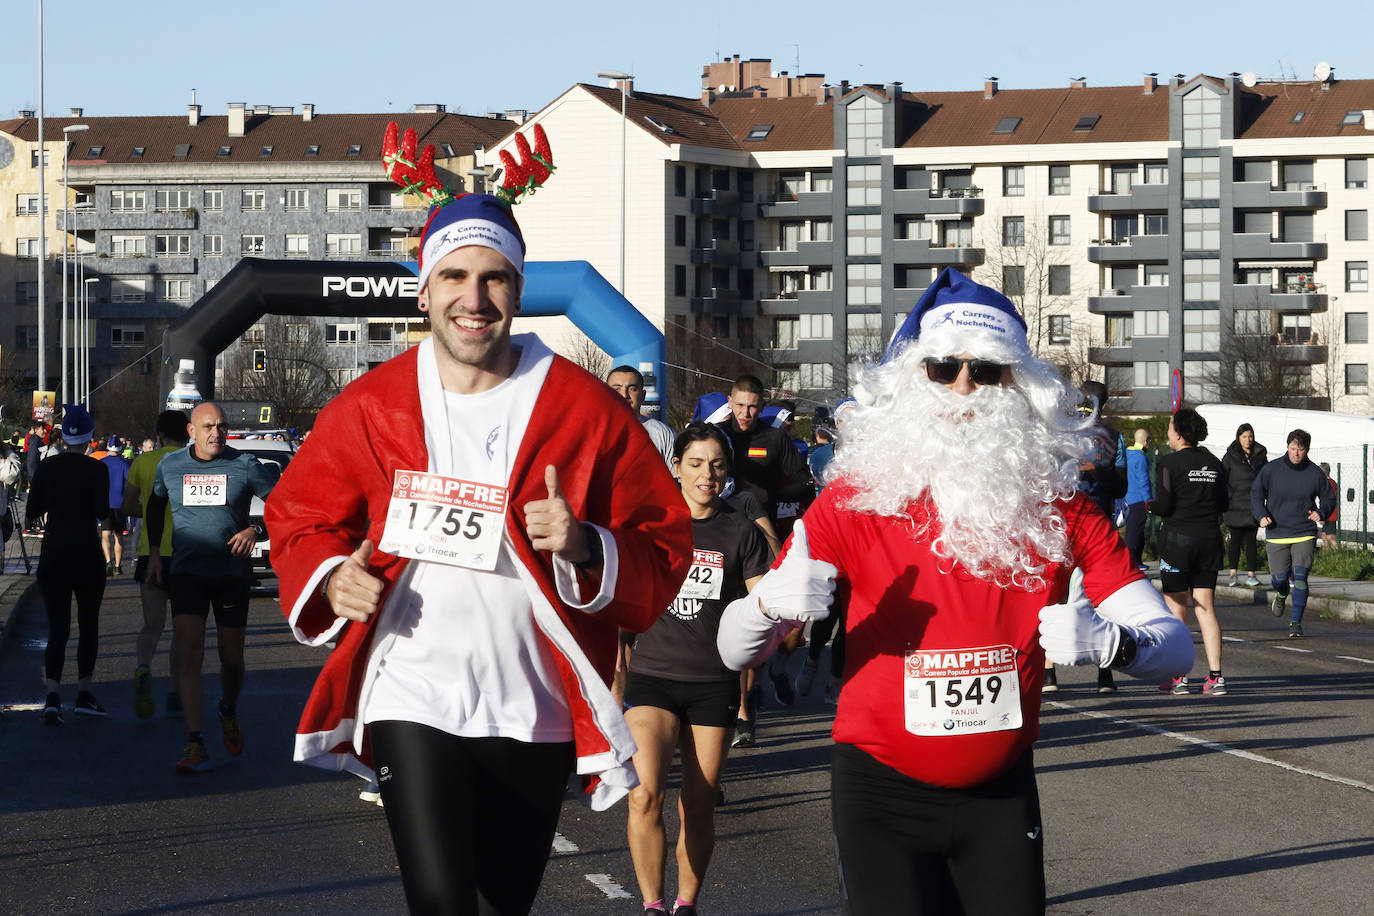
<point x="1051" y="682"/>
<point x="1105" y="682"/>
<point x="87" y="706"/>
<point x="52" y="709"/>
<point x="1294" y="630"/>
<point x="782" y="688"/>
<point x="744" y="734"/>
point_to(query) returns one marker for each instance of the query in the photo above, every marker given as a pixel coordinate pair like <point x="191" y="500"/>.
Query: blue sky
<point x="145" y="57"/>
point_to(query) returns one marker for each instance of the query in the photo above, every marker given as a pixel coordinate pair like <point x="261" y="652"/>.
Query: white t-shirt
<point x="461" y="650"/>
<point x="662" y="435"/>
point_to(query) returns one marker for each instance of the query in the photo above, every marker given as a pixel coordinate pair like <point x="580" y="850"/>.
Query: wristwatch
<point x="1125" y="650"/>
<point x="596" y="553"/>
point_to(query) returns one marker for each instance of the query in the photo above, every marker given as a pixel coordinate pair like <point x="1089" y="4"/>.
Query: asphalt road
<point x="1254" y="803"/>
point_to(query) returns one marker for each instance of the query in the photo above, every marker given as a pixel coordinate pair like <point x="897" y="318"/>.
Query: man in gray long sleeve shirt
<point x="1290" y="497"/>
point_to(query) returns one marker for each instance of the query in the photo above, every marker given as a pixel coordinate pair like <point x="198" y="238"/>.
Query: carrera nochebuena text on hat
<point x="967" y="316"/>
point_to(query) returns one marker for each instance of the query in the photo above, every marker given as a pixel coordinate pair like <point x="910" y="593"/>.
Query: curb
<point x="1340" y="608"/>
<point x="17" y="592"/>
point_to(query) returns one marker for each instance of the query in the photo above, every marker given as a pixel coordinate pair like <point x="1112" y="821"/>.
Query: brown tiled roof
<point x="692" y="122"/>
<point x="798" y="122"/>
<point x="287" y="134"/>
<point x="1269" y="109"/>
<point x="1125" y="113"/>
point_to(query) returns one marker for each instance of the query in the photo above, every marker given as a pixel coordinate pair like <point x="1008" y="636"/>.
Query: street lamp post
<point x="86" y="332"/>
<point x="66" y="229"/>
<point x="623" y="79"/>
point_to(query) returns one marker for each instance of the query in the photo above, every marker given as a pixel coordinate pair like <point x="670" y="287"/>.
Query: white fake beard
<point x="991" y="466"/>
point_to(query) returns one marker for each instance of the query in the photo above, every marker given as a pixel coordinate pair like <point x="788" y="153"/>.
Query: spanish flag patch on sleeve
<point x="756" y="452"/>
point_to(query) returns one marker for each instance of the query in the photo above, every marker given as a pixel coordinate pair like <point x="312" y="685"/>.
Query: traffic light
<point x="259" y="360"/>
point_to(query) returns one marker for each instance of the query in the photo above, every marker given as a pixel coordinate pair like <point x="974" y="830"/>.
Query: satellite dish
<point x="1322" y="72"/>
<point x="720" y="88"/>
<point x="1248" y="79"/>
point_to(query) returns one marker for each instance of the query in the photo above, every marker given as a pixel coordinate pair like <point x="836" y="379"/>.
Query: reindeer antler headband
<point x="416" y="175"/>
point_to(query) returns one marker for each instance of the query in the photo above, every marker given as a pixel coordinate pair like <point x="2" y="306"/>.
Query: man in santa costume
<point x="952" y="514"/>
<point x="471" y="523"/>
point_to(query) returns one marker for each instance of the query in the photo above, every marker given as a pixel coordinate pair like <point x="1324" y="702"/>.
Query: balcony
<point x="1260" y="195"/>
<point x="83" y="219"/>
<point x="717" y="301"/>
<point x="1114" y="302"/>
<point x="1309" y="354"/>
<point x="807" y="203"/>
<point x="1247" y="245"/>
<point x="724" y="252"/>
<point x="1112" y="356"/>
<point x="142" y="264"/>
<point x="916" y="201"/>
<point x="922" y="253"/>
<point x="717" y="203"/>
<point x="1293" y="298"/>
<point x="806" y="254"/>
<point x="1139" y="199"/>
<point x="138" y="219"/>
<point x="1135" y="249"/>
<point x="407" y="217"/>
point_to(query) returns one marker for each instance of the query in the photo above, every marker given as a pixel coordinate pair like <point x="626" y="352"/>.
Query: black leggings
<point x="57" y="586"/>
<point x="941" y="852"/>
<point x="1242" y="536"/>
<point x="472" y="819"/>
<point x="820" y="632"/>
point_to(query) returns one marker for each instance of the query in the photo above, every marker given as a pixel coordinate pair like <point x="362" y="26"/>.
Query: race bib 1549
<point x="961" y="691"/>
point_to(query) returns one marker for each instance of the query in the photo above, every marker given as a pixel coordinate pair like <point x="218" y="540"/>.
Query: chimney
<point x="844" y="88"/>
<point x="821" y="92"/>
<point x="193" y="115"/>
<point x="629" y="86"/>
<point x="1079" y="83"/>
<point x="990" y="87"/>
<point x="236" y="118"/>
<point x="895" y="90"/>
<point x="1176" y="80"/>
<point x="1151" y="83"/>
<point x="77" y="112"/>
<point x="25" y="113"/>
<point x="307" y="111"/>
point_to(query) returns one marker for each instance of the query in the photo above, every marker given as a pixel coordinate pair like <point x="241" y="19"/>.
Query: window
<point x="679" y="181"/>
<point x="1357" y="378"/>
<point x="1153" y="323"/>
<point x="26" y="292"/>
<point x="864" y="335"/>
<point x="312" y="149"/>
<point x="297" y="332"/>
<point x="26" y="249"/>
<point x="1123" y="227"/>
<point x="680" y="230"/>
<point x="95" y="152"/>
<point x="1201" y="119"/>
<point x="1014" y="180"/>
<point x="785" y="333"/>
<point x="1252" y="323"/>
<point x="1013" y="231"/>
<point x="127" y="202"/>
<point x="179" y="245"/>
<point x="254" y="200"/>
<point x="127" y="335"/>
<point x="791" y="184"/>
<point x="1118" y="330"/>
<point x="341" y="334"/>
<point x="759" y="132"/>
<point x="1123" y="178"/>
<point x="224" y="150"/>
<point x="33" y="159"/>
<point x="1007" y="126"/>
<point x="1299" y="175"/>
<point x="265" y="151"/>
<point x="679" y="280"/>
<point x="815" y="327"/>
<point x="864" y="127"/>
<point x="1059" y="230"/>
<point x="128" y="290"/>
<point x="298" y="245"/>
<point x="918" y="229"/>
<point x="355" y="149"/>
<point x="746" y="235"/>
<point x="214" y="200"/>
<point x="337" y="244"/>
<point x="1357" y="276"/>
<point x="1357" y="327"/>
<point x="1356" y="173"/>
<point x="1202" y="330"/>
<point x="864" y="284"/>
<point x="915" y="277"/>
<point x="214" y="246"/>
<point x="1201" y="379"/>
<point x="256" y="334"/>
<point x="822" y="230"/>
<point x="789" y="236"/>
<point x="337" y="199"/>
<point x="1357" y="225"/>
<point x="1156" y="274"/>
<point x="1059" y="180"/>
<point x="814" y="375"/>
<point x="1087" y="121"/>
<point x="1060" y="282"/>
<point x="1151" y="374"/>
<point x="26" y="336"/>
<point x="1295" y="328"/>
<point x="27" y="204"/>
<point x="865" y="234"/>
<point x="1297" y="118"/>
<point x="1354" y="116"/>
<point x="1201" y="178"/>
<point x="865" y="185"/>
<point x="171" y="200"/>
<point x="1156" y="224"/>
<point x="1156" y="173"/>
<point x="176" y="290"/>
<point x="1202" y="229"/>
<point x="660" y="124"/>
<point x="181" y="151"/>
<point x="1014" y="281"/>
<point x="128" y="246"/>
<point x="956" y="233"/>
<point x="297" y="198"/>
<point x="822" y="182"/>
<point x="253" y="244"/>
<point x="1060" y="330"/>
<point x="1201" y="280"/>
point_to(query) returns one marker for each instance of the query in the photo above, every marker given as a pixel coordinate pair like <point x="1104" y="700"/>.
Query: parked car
<point x="276" y="454"/>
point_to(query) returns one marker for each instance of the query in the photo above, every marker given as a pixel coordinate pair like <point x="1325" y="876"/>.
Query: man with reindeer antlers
<point x="473" y="562"/>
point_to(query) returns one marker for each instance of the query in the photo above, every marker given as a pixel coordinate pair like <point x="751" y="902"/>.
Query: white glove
<point x="800" y="588"/>
<point x="1075" y="634"/>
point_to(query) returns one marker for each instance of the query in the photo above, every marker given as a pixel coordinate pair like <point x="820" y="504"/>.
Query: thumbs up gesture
<point x="552" y="526"/>
<point x="351" y="590"/>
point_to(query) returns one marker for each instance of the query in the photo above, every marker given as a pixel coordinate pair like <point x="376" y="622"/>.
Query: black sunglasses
<point x="980" y="371"/>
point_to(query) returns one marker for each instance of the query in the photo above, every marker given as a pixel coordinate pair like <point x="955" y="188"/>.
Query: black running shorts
<point x="1189" y="561"/>
<point x="712" y="703"/>
<point x="228" y="595"/>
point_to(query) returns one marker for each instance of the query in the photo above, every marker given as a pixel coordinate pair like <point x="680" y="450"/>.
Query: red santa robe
<point x="336" y="491"/>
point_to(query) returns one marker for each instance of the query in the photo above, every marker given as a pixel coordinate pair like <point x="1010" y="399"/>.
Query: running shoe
<point x="807" y="678"/>
<point x="52" y="709"/>
<point x="1276" y="604"/>
<point x="1051" y="684"/>
<point x="685" y="909"/>
<point x="744" y="734"/>
<point x="832" y="691"/>
<point x="1180" y="687"/>
<point x="231" y="733"/>
<point x="1251" y="582"/>
<point x="1105" y="682"/>
<point x="194" y="759"/>
<point x="87" y="706"/>
<point x="782" y="687"/>
<point x="143" y="692"/>
<point x="371" y="793"/>
<point x="1294" y="630"/>
<point x="1214" y="686"/>
<point x="174" y="710"/>
<point x="1231" y="582"/>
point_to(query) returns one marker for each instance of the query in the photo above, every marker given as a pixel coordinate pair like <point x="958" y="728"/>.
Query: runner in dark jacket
<point x="1243" y="460"/>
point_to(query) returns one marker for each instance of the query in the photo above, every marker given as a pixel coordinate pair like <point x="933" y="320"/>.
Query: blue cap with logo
<point x="960" y="309"/>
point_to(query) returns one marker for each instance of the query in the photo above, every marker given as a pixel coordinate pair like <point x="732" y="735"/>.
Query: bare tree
<point x="128" y="404"/>
<point x="1021" y="261"/>
<point x="296" y="379"/>
<point x="578" y="348"/>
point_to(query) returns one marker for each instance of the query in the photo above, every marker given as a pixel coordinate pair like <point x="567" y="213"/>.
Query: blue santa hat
<point x="77" y="425"/>
<point x="774" y="416"/>
<point x="473" y="219"/>
<point x="956" y="314"/>
<point x="711" y="408"/>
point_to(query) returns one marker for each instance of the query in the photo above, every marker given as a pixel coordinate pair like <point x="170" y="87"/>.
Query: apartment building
<point x="158" y="209"/>
<point x="1216" y="226"/>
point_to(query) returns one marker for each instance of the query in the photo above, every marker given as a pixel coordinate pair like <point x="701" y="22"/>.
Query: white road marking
<point x="1293" y="649"/>
<point x="1352" y="658"/>
<point x="1213" y="746"/>
<point x="1233" y="639"/>
<point x="562" y="844"/>
<point x="608" y="887"/>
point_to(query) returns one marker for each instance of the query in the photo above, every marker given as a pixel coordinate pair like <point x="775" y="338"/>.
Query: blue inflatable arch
<point x="388" y="289"/>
